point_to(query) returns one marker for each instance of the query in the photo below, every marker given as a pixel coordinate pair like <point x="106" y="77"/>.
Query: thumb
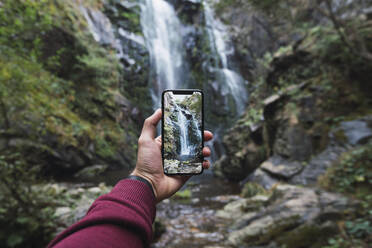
<point x="149" y="127"/>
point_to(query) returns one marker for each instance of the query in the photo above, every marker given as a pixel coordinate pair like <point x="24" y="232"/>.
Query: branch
<point x="340" y="27"/>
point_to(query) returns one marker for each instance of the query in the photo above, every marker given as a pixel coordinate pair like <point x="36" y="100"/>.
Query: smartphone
<point x="182" y="132"/>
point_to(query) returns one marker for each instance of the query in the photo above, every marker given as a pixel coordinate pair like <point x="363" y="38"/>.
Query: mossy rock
<point x="252" y="189"/>
<point x="57" y="91"/>
<point x="304" y="236"/>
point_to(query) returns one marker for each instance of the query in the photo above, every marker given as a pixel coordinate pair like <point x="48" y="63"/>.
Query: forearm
<point x="122" y="218"/>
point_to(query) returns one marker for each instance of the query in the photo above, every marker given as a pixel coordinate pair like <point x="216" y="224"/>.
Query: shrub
<point x="352" y="175"/>
<point x="27" y="210"/>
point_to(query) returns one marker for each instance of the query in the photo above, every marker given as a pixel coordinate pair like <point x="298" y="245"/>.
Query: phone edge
<point x="162" y="131"/>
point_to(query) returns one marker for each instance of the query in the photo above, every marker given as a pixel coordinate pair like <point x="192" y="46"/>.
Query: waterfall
<point x="219" y="42"/>
<point x="183" y="125"/>
<point x="161" y="28"/>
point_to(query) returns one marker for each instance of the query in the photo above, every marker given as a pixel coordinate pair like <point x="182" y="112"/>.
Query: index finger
<point x="208" y="135"/>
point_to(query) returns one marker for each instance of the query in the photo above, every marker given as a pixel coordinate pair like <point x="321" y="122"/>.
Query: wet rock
<point x="79" y="200"/>
<point x="91" y="171"/>
<point x="293" y="142"/>
<point x="243" y="154"/>
<point x="225" y="198"/>
<point x="62" y="211"/>
<point x="100" y="26"/>
<point x="232" y="210"/>
<point x="132" y="37"/>
<point x="317" y="166"/>
<point x="291" y="209"/>
<point x="281" y="168"/>
<point x="307" y="172"/>
<point x="357" y="132"/>
<point x="94" y="190"/>
<point x="239" y="208"/>
<point x="262" y="178"/>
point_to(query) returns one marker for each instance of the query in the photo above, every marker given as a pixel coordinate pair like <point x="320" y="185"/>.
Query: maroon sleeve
<point x="121" y="218"/>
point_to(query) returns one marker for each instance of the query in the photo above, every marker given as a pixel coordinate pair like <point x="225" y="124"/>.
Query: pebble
<point x="62" y="211"/>
<point x="94" y="190"/>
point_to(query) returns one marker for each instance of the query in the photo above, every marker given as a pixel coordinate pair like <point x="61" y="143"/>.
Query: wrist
<point x="136" y="173"/>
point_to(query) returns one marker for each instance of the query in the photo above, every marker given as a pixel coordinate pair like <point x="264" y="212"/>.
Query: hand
<point x="149" y="160"/>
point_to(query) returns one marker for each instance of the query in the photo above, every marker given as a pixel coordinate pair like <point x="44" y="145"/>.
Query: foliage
<point x="353" y="172"/>
<point x="27" y="211"/>
<point x="57" y="91"/>
<point x="183" y="195"/>
<point x="31" y="96"/>
<point x="352" y="175"/>
<point x="252" y="189"/>
<point x="57" y="84"/>
<point x="22" y="24"/>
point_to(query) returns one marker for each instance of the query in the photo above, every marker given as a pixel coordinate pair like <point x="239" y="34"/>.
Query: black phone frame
<point x="181" y="92"/>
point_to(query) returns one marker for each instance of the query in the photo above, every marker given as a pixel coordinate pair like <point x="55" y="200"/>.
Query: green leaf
<point x="23" y="220"/>
<point x="359" y="178"/>
<point x="14" y="239"/>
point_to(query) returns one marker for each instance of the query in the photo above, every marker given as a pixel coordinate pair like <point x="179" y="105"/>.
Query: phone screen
<point x="182" y="132"/>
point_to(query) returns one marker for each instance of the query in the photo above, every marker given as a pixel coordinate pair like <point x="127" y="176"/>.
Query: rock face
<point x="292" y="216"/>
<point x="291" y="133"/>
<point x="278" y="167"/>
<point x="79" y="116"/>
<point x="81" y="198"/>
<point x="132" y="53"/>
<point x="243" y="154"/>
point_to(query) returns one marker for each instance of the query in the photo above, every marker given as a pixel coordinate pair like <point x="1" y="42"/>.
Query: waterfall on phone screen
<point x="183" y="126"/>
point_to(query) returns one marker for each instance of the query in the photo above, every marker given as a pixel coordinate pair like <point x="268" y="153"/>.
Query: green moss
<point x="307" y="236"/>
<point x="26" y="211"/>
<point x="274" y="231"/>
<point x="183" y="195"/>
<point x="252" y="189"/>
<point x="57" y="82"/>
<point x="340" y="136"/>
<point x="352" y="175"/>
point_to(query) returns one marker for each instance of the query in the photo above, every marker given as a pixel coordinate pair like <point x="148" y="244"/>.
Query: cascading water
<point x="161" y="28"/>
<point x="219" y="42"/>
<point x="163" y="34"/>
<point x="183" y="126"/>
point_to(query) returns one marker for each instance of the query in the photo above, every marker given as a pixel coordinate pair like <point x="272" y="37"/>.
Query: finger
<point x="206" y="164"/>
<point x="158" y="141"/>
<point x="149" y="127"/>
<point x="208" y="135"/>
<point x="206" y="152"/>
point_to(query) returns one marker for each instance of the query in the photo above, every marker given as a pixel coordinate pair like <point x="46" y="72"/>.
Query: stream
<point x="189" y="222"/>
<point x="192" y="222"/>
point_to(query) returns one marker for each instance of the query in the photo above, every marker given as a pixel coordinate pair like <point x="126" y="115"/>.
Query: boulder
<point x="243" y="154"/>
<point x="353" y="133"/>
<point x="317" y="166"/>
<point x="288" y="218"/>
<point x="77" y="204"/>
<point x="358" y="132"/>
<point x="281" y="168"/>
<point x="293" y="142"/>
<point x="262" y="178"/>
<point x="91" y="172"/>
